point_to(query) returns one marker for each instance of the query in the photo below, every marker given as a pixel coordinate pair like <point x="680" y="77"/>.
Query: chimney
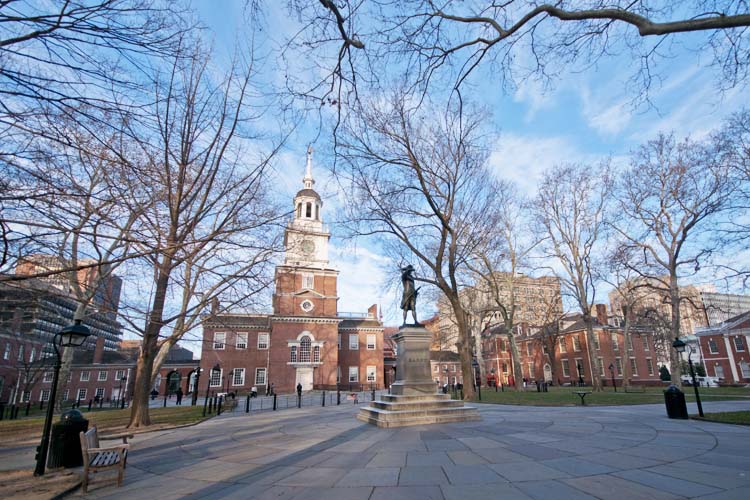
<point x="99" y="350"/>
<point x="601" y="314"/>
<point x="215" y="305"/>
<point x="372" y="312"/>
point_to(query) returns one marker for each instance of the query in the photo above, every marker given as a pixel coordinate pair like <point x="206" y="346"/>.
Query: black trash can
<point x="674" y="399"/>
<point x="65" y="443"/>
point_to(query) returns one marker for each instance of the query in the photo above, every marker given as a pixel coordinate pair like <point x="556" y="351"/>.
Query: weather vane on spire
<point x="308" y="180"/>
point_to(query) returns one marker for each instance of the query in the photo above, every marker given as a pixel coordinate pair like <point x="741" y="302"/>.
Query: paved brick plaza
<point x="515" y="452"/>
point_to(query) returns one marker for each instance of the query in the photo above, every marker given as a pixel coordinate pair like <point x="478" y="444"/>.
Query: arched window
<point x="316" y="354"/>
<point x="308" y="211"/>
<point x="317" y="212"/>
<point x="304" y="349"/>
<point x="293" y="354"/>
<point x="299" y="210"/>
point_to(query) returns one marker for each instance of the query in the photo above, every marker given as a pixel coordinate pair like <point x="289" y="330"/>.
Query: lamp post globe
<point x="71" y="336"/>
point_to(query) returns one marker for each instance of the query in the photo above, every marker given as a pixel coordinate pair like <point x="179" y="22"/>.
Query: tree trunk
<point x="626" y="370"/>
<point x="596" y="381"/>
<point x="516" y="358"/>
<point x="464" y="350"/>
<point x="139" y="415"/>
<point x="674" y="357"/>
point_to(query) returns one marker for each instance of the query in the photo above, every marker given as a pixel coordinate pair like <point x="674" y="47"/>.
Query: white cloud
<point x="605" y="120"/>
<point x="535" y="96"/>
<point x="523" y="158"/>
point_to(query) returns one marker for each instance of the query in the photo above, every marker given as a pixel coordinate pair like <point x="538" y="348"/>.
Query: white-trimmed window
<point x="531" y="369"/>
<point x="744" y="369"/>
<point x="719" y="371"/>
<point x="316" y="354"/>
<point x="262" y="341"/>
<point x="437" y="368"/>
<point x="102" y="377"/>
<point x="595" y="338"/>
<point x="293" y="354"/>
<point x="371" y="341"/>
<point x="305" y="347"/>
<point x="119" y="374"/>
<point x="216" y="377"/>
<point x="600" y="364"/>
<point x="633" y="367"/>
<point x="85" y="376"/>
<point x="26" y="396"/>
<point x="563" y="347"/>
<point x="630" y="342"/>
<point x="241" y="342"/>
<point x="371" y="370"/>
<point x="308" y="281"/>
<point x="650" y="366"/>
<point x="576" y="343"/>
<point x="238" y="378"/>
<point x="615" y="345"/>
<point x="739" y="344"/>
<point x="260" y="376"/>
<point x="579" y="367"/>
<point x="354" y="374"/>
<point x="48" y="376"/>
<point x="565" y="368"/>
<point x="6" y="353"/>
<point x="44" y="395"/>
<point x="618" y="364"/>
<point x="81" y="394"/>
<point x="220" y="339"/>
<point x="99" y="393"/>
<point x="32" y="356"/>
<point x="712" y="347"/>
<point x="339" y="342"/>
<point x="529" y="348"/>
<point x="353" y="341"/>
<point x="20" y="352"/>
<point x="645" y="343"/>
<point x="66" y="393"/>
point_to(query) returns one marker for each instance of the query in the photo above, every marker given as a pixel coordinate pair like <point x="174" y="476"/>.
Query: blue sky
<point x="581" y="117"/>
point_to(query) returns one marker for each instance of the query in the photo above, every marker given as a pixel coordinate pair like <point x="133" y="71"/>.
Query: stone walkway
<point x="628" y="452"/>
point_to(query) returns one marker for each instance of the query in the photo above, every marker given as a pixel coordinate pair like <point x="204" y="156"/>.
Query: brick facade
<point x="724" y="350"/>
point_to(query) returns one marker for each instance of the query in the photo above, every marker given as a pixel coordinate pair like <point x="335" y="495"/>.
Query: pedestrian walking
<point x="178" y="393"/>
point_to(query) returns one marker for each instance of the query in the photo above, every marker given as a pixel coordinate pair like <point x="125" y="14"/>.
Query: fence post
<point x="373" y="394"/>
<point x="324" y="398"/>
<point x="221" y="398"/>
<point x="165" y="401"/>
<point x="274" y="401"/>
<point x="299" y="400"/>
<point x="247" y="404"/>
<point x="338" y="397"/>
<point x="91" y="401"/>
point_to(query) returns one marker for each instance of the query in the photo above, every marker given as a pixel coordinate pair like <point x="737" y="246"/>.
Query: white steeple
<point x="308" y="179"/>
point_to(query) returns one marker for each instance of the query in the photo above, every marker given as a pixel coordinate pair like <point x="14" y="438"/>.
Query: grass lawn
<point x="563" y="396"/>
<point x="728" y="417"/>
<point x="15" y="432"/>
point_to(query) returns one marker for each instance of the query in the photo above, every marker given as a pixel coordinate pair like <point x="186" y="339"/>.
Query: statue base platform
<point x="395" y="410"/>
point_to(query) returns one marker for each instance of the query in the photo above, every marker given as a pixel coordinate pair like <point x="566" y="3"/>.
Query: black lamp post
<point x="195" y="386"/>
<point x="679" y="346"/>
<point x="612" y="372"/>
<point x="477" y="377"/>
<point x="122" y="399"/>
<point x="216" y="368"/>
<point x="71" y="336"/>
<point x="580" y="376"/>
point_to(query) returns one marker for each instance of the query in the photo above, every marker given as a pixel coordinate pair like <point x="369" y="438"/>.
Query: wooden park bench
<point x="96" y="457"/>
<point x="582" y="395"/>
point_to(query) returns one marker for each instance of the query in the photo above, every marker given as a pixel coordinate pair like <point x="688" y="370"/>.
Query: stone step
<point x="417" y="405"/>
<point x="385" y="418"/>
<point x="397" y="398"/>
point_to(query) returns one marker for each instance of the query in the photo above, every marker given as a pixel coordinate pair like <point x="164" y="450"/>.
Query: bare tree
<point x="547" y="330"/>
<point x="419" y="181"/>
<point x="669" y="197"/>
<point x="498" y="263"/>
<point x="207" y="229"/>
<point x="571" y="209"/>
<point x="432" y="41"/>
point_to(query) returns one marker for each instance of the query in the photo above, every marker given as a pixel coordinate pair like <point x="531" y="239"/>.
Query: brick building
<point x="305" y="340"/>
<point x="559" y="355"/>
<point x="724" y="349"/>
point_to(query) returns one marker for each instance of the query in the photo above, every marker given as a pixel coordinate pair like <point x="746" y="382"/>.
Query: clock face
<point x="306" y="305"/>
<point x="308" y="247"/>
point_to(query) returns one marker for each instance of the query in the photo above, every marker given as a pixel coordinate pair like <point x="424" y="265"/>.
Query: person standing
<point x="178" y="393"/>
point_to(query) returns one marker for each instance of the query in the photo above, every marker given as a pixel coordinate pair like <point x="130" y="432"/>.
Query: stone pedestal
<point x="413" y="399"/>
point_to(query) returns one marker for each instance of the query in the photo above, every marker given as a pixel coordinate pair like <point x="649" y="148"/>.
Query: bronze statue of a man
<point x="409" y="298"/>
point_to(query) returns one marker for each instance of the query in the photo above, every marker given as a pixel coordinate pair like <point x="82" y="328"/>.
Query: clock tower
<point x="305" y="283"/>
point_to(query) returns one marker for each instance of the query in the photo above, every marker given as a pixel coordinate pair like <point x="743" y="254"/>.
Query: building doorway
<point x="173" y="382"/>
<point x="547" y="373"/>
<point x="304" y="377"/>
